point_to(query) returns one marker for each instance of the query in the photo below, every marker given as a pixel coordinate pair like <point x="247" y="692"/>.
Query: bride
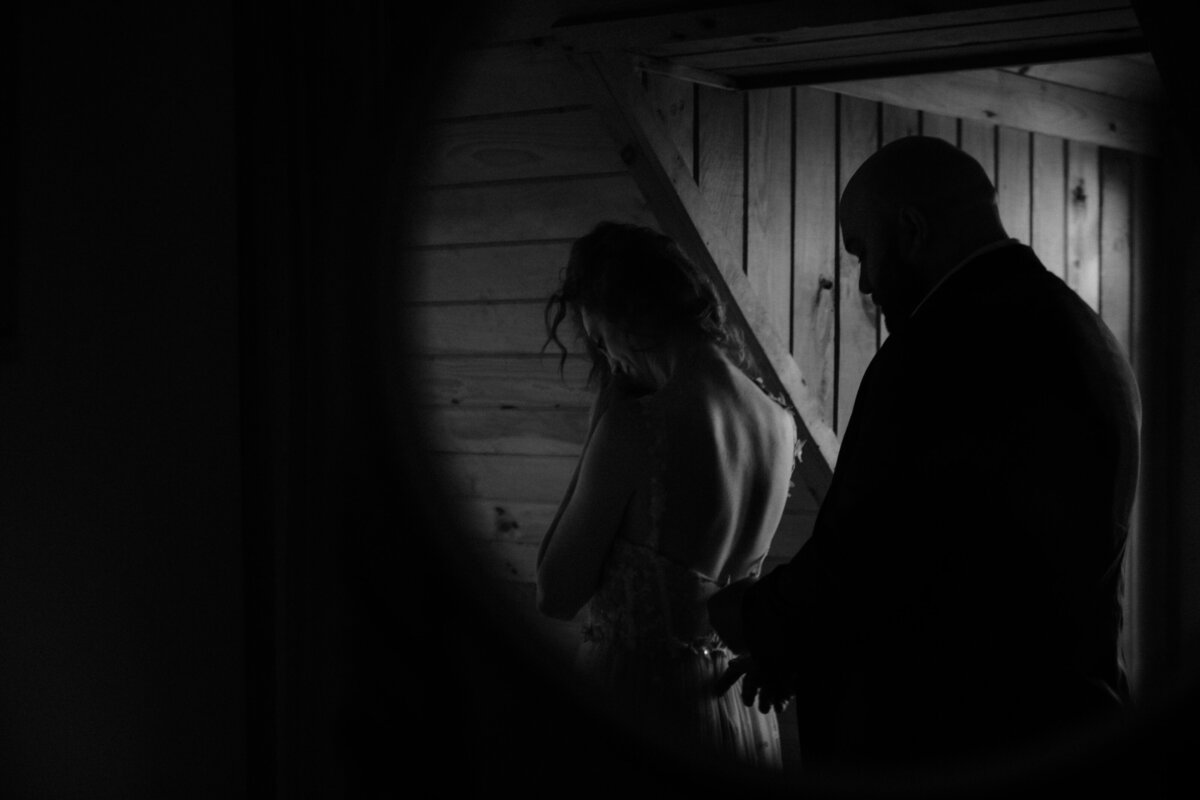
<point x="678" y="491"/>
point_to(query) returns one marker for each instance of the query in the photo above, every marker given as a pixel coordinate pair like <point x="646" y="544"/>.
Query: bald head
<point x="911" y="212"/>
<point x="927" y="173"/>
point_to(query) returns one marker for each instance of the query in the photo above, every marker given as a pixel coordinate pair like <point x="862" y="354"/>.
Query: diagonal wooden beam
<point x="684" y="214"/>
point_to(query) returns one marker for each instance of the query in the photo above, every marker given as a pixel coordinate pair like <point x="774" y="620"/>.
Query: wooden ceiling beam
<point x="1018" y="101"/>
<point x="1133" y="77"/>
<point x="783" y="22"/>
<point x="996" y="55"/>
<point x="1111" y="28"/>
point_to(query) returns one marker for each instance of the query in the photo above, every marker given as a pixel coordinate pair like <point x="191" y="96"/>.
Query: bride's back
<point x="722" y="454"/>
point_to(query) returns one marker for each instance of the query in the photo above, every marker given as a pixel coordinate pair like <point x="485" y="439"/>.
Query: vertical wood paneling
<point x="1116" y="298"/>
<point x="978" y="139"/>
<point x="1012" y="181"/>
<point x="1048" y="214"/>
<point x="1141" y="249"/>
<point x="939" y="125"/>
<point x="857" y="315"/>
<point x="816" y="244"/>
<point x="769" y="204"/>
<point x="721" y="175"/>
<point x="1135" y="636"/>
<point x="1116" y="177"/>
<point x="675" y="102"/>
<point x="1083" y="221"/>
<point x="895" y="123"/>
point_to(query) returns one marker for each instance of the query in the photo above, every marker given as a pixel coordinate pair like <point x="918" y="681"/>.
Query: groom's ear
<point x="912" y="230"/>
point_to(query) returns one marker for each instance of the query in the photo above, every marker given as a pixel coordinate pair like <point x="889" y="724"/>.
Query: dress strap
<point x="779" y="399"/>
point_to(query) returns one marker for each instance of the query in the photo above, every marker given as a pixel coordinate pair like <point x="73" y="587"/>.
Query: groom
<point x="960" y="591"/>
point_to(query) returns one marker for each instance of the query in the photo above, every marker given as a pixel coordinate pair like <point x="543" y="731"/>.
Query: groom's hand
<point x="738" y="667"/>
<point x="772" y="688"/>
<point x="769" y="689"/>
<point x="725" y="613"/>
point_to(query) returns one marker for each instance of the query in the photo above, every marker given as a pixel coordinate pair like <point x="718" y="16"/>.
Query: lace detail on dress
<point x="648" y="637"/>
<point x="663" y="665"/>
<point x="779" y="399"/>
<point x="649" y="604"/>
<point x="798" y="449"/>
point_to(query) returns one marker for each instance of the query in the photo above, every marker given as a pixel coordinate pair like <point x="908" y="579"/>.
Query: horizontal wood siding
<point x="535" y="145"/>
<point x="535" y="210"/>
<point x="518" y="167"/>
<point x="498" y="329"/>
<point x="502" y="382"/>
<point x="486" y="273"/>
<point x="510" y="79"/>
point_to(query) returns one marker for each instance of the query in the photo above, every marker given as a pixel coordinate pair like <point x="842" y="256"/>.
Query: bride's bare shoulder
<point x="716" y="392"/>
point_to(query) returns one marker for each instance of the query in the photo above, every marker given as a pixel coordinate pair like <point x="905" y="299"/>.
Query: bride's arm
<point x="617" y="386"/>
<point x="573" y="551"/>
<point x="599" y="404"/>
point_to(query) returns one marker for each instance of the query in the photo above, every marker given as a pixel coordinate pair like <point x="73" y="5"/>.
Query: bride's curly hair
<point x="640" y="279"/>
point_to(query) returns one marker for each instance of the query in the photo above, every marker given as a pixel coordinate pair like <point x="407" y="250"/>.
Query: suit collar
<point x="973" y="256"/>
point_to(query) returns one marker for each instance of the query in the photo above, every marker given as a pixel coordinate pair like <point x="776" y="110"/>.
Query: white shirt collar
<point x="987" y="248"/>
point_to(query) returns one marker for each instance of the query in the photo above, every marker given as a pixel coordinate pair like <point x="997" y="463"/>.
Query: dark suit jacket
<point x="961" y="587"/>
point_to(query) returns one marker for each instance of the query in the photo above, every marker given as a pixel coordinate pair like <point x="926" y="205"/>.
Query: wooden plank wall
<point x="519" y="166"/>
<point x="786" y="156"/>
<point x="1083" y="208"/>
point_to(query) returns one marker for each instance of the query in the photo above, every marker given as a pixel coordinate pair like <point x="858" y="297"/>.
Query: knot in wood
<point x="629" y="154"/>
